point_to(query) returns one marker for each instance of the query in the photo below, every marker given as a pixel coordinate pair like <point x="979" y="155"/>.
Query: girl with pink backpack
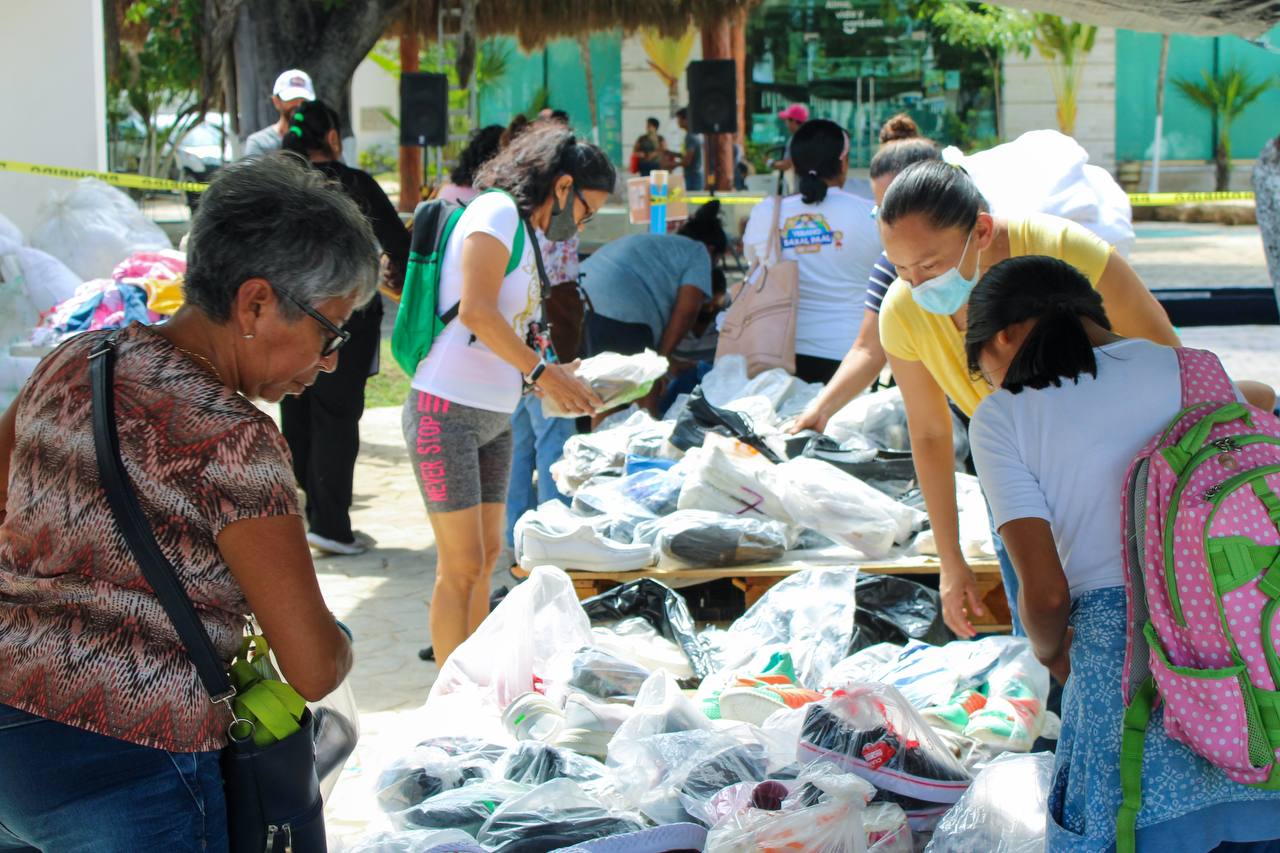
<point x="1164" y="747"/>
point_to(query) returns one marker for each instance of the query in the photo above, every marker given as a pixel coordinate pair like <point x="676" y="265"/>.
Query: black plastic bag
<point x="700" y="417"/>
<point x="660" y="606"/>
<point x="893" y="610"/>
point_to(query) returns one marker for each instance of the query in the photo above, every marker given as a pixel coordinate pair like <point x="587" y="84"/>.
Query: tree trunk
<point x="584" y="48"/>
<point x="327" y="41"/>
<point x="410" y="155"/>
<point x="1222" y="166"/>
<point x="717" y="43"/>
<point x="1161" y="76"/>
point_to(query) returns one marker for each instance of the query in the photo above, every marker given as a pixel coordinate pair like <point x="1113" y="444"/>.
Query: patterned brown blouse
<point x="83" y="640"/>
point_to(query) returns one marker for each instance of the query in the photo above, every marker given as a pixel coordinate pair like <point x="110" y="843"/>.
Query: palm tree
<point x="1224" y="96"/>
<point x="669" y="57"/>
<point x="1064" y="44"/>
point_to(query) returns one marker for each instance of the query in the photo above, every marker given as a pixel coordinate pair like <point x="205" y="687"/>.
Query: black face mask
<point x="563" y="225"/>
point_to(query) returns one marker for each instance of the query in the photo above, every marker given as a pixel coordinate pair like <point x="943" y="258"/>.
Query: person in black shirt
<point x="322" y="425"/>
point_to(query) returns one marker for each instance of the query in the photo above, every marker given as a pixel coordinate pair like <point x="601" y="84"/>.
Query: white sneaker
<point x="333" y="547"/>
<point x="582" y="548"/>
<point x="590" y="725"/>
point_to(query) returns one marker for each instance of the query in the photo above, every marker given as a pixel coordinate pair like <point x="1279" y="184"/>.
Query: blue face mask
<point x="947" y="293"/>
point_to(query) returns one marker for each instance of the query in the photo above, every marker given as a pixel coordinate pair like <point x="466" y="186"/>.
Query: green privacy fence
<point x="559" y="68"/>
<point x="1188" y="130"/>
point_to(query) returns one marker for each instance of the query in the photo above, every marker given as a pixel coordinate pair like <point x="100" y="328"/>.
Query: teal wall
<point x="559" y="68"/>
<point x="1188" y="130"/>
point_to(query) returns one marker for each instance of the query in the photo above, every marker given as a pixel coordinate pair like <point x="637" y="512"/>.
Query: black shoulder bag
<point x="273" y="794"/>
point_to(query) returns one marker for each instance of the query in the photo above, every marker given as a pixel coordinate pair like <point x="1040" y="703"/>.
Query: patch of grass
<point x="390" y="387"/>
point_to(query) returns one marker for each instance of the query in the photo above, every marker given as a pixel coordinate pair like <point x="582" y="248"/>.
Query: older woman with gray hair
<point x="108" y="740"/>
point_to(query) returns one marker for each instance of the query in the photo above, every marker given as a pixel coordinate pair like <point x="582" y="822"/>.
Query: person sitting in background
<point x="484" y="143"/>
<point x="830" y="234"/>
<point x="322" y="424"/>
<point x="293" y="88"/>
<point x="646" y="290"/>
<point x="108" y="740"/>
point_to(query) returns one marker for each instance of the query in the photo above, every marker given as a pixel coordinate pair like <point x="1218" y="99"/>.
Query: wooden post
<point x="410" y="155"/>
<point x="717" y="43"/>
<point x="740" y="60"/>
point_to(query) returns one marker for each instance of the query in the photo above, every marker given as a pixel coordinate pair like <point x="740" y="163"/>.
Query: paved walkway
<point x="383" y="595"/>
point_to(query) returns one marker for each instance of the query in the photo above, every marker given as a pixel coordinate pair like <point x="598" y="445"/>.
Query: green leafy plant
<point x="992" y="31"/>
<point x="1224" y="96"/>
<point x="161" y="70"/>
<point x="1065" y="44"/>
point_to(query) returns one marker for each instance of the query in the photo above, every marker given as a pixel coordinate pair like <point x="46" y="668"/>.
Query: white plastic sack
<point x="92" y="227"/>
<point x="512" y="652"/>
<point x="809" y="614"/>
<point x="823" y="498"/>
<point x="734" y="470"/>
<point x="880" y="416"/>
<point x="975" y="524"/>
<point x="618" y="379"/>
<point x="1044" y="171"/>
<point x="1004" y="810"/>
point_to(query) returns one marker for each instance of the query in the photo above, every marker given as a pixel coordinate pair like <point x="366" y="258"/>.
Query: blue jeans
<point x="1007" y="576"/>
<point x="63" y="788"/>
<point x="536" y="443"/>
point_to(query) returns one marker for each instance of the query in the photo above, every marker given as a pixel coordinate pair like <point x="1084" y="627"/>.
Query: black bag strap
<point x="137" y="531"/>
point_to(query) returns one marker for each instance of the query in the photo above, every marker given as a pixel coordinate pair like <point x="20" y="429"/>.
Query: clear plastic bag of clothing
<point x="602" y="451"/>
<point x="554" y="815"/>
<point x="872" y="730"/>
<point x="1017" y="697"/>
<point x="414" y="841"/>
<point x="693" y="538"/>
<point x="465" y="808"/>
<point x="880" y="416"/>
<point x="659" y="605"/>
<point x="433" y="767"/>
<point x="517" y="649"/>
<point x="822" y="497"/>
<point x="617" y="379"/>
<point x="533" y="763"/>
<point x="91" y="227"/>
<point x="336" y="730"/>
<point x="1004" y="811"/>
<point x="809" y="614"/>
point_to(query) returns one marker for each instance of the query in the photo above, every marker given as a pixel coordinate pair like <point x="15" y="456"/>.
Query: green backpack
<point x="419" y="321"/>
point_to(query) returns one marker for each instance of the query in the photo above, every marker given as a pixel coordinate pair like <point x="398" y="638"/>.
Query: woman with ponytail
<point x="457" y="420"/>
<point x="322" y="425"/>
<point x="1072" y="404"/>
<point x="832" y="237"/>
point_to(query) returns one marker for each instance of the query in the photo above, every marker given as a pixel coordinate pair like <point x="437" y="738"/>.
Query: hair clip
<point x="296" y="131"/>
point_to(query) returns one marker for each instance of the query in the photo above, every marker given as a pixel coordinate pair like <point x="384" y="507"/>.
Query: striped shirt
<point x="882" y="275"/>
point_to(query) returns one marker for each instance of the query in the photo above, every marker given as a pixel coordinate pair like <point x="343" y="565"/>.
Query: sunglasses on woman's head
<point x="340" y="335"/>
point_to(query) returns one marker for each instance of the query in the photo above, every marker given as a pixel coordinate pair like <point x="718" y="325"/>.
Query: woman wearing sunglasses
<point x="457" y="420"/>
<point x="108" y="740"/>
<point x="322" y="425"/>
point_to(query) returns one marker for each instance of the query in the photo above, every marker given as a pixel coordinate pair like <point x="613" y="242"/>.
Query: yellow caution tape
<point x="1158" y="199"/>
<point x="118" y="179"/>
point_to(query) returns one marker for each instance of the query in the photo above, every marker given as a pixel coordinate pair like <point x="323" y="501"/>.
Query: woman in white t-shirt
<point x="1074" y="404"/>
<point x="832" y="236"/>
<point x="457" y="420"/>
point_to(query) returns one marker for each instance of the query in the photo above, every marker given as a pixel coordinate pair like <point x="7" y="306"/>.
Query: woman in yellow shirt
<point x="936" y="230"/>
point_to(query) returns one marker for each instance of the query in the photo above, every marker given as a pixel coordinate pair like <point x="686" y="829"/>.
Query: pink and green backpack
<point x="1202" y="567"/>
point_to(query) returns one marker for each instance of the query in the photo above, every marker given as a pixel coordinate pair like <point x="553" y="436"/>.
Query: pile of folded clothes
<point x="618" y="727"/>
<point x="720" y="483"/>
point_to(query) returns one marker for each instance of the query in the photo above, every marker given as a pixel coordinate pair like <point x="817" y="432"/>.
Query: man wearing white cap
<point x="292" y="88"/>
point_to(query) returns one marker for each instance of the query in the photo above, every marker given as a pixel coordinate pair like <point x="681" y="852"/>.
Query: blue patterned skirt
<point x="1187" y="804"/>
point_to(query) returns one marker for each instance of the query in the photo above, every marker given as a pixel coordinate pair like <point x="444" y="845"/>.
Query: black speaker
<point x="424" y="108"/>
<point x="713" y="102"/>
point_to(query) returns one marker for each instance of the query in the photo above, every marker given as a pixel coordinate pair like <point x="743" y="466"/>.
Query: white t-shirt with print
<point x="835" y="243"/>
<point x="1062" y="454"/>
<point x="462" y="370"/>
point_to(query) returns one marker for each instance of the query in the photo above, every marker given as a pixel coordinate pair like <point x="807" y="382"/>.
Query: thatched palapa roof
<point x="534" y="22"/>
<point x="1247" y="18"/>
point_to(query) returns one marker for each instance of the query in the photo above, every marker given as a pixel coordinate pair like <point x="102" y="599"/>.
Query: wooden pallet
<point x="755" y="581"/>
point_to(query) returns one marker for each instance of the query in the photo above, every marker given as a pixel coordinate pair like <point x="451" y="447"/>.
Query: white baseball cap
<point x="293" y="84"/>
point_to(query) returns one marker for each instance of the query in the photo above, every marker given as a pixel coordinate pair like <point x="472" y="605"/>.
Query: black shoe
<point x="429" y="653"/>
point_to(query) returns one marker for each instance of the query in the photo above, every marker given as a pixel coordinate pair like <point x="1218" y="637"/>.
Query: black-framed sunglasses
<point x="340" y="335"/>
